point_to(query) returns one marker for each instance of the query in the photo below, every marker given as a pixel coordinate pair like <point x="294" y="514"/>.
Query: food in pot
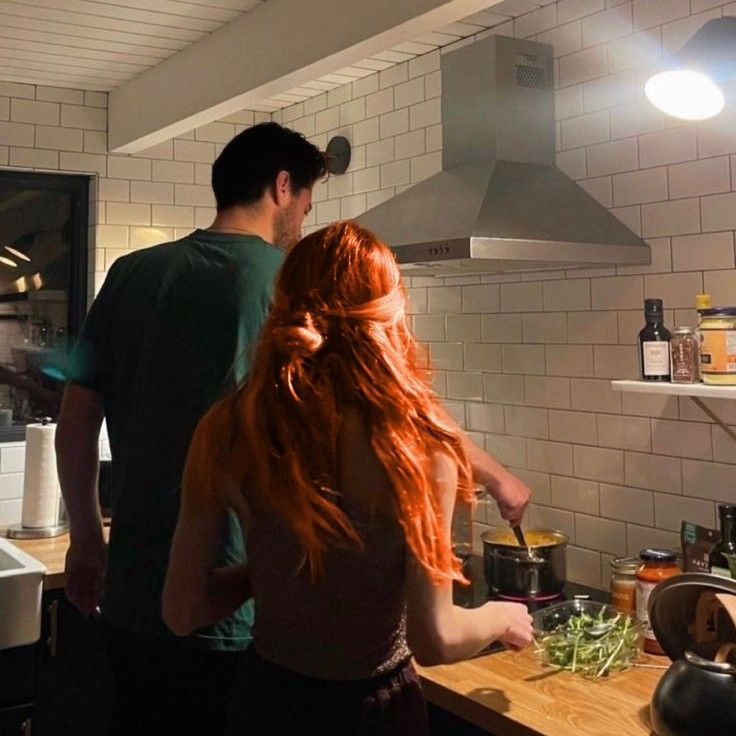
<point x="588" y="638"/>
<point x="534" y="538"/>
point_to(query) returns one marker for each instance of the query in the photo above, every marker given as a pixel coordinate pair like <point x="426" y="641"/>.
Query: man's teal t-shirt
<point x="172" y="329"/>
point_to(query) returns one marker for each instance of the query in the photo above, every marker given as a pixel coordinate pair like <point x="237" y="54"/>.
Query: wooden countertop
<point x="512" y="694"/>
<point x="49" y="552"/>
<point x="506" y="693"/>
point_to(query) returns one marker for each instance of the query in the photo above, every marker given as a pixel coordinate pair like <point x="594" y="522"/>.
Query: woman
<point x="343" y="471"/>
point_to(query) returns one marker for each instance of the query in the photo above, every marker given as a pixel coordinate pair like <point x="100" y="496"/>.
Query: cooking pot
<point x="697" y="694"/>
<point x="535" y="571"/>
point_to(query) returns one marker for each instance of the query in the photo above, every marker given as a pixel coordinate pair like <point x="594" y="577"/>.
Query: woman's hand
<point x="516" y="622"/>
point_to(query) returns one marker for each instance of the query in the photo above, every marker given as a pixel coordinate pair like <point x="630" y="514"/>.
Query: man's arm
<point x="510" y="493"/>
<point x="77" y="459"/>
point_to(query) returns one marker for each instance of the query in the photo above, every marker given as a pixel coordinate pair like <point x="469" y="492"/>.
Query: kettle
<point x="690" y="617"/>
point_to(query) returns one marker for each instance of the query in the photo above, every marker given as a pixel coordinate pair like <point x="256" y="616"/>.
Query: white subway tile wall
<point x="525" y="360"/>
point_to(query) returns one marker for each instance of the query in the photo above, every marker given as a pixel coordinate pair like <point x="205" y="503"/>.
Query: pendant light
<point x="692" y="83"/>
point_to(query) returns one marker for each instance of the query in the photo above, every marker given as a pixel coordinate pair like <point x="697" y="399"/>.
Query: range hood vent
<point x="500" y="203"/>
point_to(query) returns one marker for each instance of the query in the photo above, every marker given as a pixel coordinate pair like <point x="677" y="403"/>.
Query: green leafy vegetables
<point x="593" y="645"/>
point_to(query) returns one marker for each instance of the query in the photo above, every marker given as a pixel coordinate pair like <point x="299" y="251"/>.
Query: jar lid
<point x="719" y="312"/>
<point x="625" y="564"/>
<point x="684" y="331"/>
<point x="657" y="555"/>
<point x="684" y="612"/>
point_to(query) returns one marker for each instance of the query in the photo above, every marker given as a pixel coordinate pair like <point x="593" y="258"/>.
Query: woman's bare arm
<point x="196" y="593"/>
<point x="437" y="630"/>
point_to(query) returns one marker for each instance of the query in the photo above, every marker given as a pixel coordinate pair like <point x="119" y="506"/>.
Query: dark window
<point x="43" y="288"/>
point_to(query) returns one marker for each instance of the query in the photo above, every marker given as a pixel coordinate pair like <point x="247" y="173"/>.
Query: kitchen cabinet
<point x="73" y="694"/>
<point x="17" y="685"/>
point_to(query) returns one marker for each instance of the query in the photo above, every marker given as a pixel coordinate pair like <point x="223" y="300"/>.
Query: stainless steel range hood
<point x="500" y="203"/>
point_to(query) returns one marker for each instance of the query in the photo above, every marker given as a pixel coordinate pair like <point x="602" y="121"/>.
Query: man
<point x="169" y="332"/>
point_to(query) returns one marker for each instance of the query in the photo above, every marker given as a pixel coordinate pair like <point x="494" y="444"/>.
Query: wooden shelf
<point x="701" y="390"/>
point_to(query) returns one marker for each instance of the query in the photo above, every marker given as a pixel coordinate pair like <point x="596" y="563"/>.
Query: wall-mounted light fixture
<point x="692" y="81"/>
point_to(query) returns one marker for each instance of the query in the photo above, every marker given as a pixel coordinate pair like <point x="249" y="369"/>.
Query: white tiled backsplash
<point x="525" y="360"/>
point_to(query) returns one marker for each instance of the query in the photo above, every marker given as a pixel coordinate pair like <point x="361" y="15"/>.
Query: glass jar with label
<point x="623" y="583"/>
<point x="718" y="346"/>
<point x="684" y="356"/>
<point x="656" y="565"/>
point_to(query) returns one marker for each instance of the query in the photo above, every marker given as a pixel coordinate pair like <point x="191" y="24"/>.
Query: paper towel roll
<point x="41" y="491"/>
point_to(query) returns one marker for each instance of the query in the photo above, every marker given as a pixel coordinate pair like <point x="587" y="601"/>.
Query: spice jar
<point x="684" y="356"/>
<point x="718" y="346"/>
<point x="656" y="565"/>
<point x="623" y="583"/>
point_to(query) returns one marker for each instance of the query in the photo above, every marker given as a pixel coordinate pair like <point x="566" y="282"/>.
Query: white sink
<point x="21" y="583"/>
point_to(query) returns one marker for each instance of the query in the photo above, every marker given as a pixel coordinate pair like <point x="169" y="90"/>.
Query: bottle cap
<point x="653" y="305"/>
<point x="657" y="555"/>
<point x="703" y="301"/>
<point x="719" y="312"/>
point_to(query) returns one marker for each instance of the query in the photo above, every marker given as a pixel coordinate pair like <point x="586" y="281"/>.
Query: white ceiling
<point x="86" y="44"/>
<point x="94" y="45"/>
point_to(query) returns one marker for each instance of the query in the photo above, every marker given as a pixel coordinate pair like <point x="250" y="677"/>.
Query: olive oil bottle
<point x="654" y="343"/>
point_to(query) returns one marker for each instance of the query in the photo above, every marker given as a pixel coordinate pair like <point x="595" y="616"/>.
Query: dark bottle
<point x="654" y="344"/>
<point x="718" y="562"/>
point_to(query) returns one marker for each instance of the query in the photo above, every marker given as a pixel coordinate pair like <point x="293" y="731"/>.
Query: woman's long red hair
<point x="338" y="336"/>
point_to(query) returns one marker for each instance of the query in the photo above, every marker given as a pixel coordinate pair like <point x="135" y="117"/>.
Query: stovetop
<point x="477" y="593"/>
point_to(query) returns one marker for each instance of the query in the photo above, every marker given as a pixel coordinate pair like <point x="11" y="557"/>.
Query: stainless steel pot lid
<point x="685" y="615"/>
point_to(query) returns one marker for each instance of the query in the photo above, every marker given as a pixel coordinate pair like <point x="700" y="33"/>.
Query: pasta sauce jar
<point x="718" y="346"/>
<point x="656" y="565"/>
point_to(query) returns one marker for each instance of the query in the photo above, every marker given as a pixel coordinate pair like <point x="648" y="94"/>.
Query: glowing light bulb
<point x="685" y="94"/>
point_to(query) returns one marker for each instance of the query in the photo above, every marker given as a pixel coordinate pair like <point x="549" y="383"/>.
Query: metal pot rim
<point x="487" y="538"/>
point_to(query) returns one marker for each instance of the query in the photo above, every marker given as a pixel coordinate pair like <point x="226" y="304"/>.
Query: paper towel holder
<point x="18" y="531"/>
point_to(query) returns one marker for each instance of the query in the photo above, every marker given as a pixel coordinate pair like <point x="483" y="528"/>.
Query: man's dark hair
<point x="250" y="162"/>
